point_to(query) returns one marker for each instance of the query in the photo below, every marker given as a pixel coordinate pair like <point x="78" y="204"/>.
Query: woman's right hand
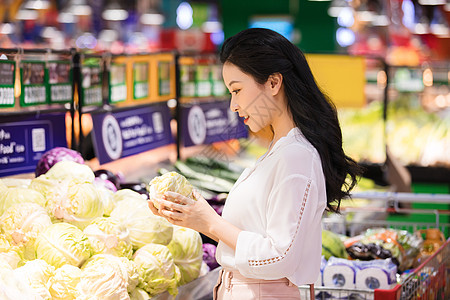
<point x="153" y="208"/>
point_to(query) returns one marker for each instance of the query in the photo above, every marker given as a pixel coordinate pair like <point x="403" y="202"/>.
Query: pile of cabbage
<point x="62" y="236"/>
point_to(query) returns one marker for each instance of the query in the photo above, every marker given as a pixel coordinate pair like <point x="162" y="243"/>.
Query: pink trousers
<point x="234" y="286"/>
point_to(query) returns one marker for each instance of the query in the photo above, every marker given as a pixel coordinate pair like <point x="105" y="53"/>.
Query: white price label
<point x="6" y="96"/>
<point x="34" y="94"/>
<point x="61" y="93"/>
<point x="93" y="95"/>
<point x="140" y="90"/>
<point x="38" y="139"/>
<point x="204" y="88"/>
<point x="118" y="93"/>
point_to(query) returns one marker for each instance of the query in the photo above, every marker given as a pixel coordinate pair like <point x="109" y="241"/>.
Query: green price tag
<point x="218" y="86"/>
<point x="140" y="80"/>
<point x="203" y="83"/>
<point x="187" y="80"/>
<point x="7" y="80"/>
<point x="91" y="85"/>
<point x="59" y="81"/>
<point x="164" y="77"/>
<point x="33" y="83"/>
<point x="117" y="83"/>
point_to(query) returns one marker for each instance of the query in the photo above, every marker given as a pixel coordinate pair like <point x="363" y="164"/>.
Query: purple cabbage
<point x="57" y="154"/>
<point x="209" y="255"/>
<point x="105" y="183"/>
<point x="108" y="175"/>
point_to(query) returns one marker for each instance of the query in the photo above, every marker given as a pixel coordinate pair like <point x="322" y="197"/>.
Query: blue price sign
<point x="131" y="131"/>
<point x="23" y="140"/>
<point x="206" y="123"/>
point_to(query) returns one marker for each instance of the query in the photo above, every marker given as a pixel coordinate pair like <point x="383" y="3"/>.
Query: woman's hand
<point x="183" y="211"/>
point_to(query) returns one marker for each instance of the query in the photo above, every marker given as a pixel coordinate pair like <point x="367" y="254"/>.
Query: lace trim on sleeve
<point x="272" y="260"/>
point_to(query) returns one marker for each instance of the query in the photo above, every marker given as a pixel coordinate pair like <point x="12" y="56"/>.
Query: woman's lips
<point x="246" y="120"/>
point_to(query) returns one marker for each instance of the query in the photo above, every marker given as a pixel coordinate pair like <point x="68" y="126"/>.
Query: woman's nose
<point x="233" y="106"/>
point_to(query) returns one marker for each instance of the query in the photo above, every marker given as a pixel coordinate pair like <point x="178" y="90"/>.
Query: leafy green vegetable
<point x="156" y="269"/>
<point x="61" y="244"/>
<point x="186" y="249"/>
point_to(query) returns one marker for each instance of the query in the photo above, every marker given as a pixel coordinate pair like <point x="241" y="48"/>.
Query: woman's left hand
<point x="183" y="211"/>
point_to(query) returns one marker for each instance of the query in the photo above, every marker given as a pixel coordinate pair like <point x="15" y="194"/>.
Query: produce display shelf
<point x="199" y="289"/>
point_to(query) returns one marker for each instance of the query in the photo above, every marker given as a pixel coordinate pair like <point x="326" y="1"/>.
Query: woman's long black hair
<point x="262" y="52"/>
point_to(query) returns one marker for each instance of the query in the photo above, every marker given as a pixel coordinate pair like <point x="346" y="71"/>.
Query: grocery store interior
<point x="100" y="99"/>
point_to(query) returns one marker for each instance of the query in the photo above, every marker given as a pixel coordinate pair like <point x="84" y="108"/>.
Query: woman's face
<point x="251" y="100"/>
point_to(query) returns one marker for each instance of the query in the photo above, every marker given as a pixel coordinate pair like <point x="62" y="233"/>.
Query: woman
<point x="270" y="231"/>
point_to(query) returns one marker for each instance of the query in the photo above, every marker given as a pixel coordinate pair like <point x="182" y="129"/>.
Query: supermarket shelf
<point x="419" y="174"/>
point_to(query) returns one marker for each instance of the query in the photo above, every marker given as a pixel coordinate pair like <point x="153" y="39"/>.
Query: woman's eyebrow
<point x="233" y="81"/>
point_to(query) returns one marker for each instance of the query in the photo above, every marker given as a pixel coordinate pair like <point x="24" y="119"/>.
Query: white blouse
<point x="279" y="205"/>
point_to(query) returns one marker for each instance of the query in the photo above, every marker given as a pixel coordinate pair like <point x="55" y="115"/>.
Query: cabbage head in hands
<point x="169" y="182"/>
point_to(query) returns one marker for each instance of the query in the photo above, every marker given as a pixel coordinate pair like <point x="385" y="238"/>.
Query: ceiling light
<point x="7" y="28"/>
<point x="438" y="24"/>
<point x="26" y="14"/>
<point x="79" y="8"/>
<point x="345" y="37"/>
<point x="336" y="7"/>
<point x="212" y="26"/>
<point x="380" y="20"/>
<point x="108" y="35"/>
<point x="184" y="15"/>
<point x="345" y="17"/>
<point x="49" y="32"/>
<point x="66" y="18"/>
<point x="432" y="2"/>
<point x="36" y="4"/>
<point x="152" y="18"/>
<point x="114" y="12"/>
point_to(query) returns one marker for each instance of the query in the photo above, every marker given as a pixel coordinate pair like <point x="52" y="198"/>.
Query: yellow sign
<point x="340" y="77"/>
<point x="150" y="78"/>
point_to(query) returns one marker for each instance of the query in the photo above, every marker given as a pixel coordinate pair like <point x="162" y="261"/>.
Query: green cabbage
<point x="13" y="287"/>
<point x="61" y="244"/>
<point x="143" y="225"/>
<point x="43" y="185"/>
<point x="125" y="194"/>
<point x="4" y="264"/>
<point x="108" y="236"/>
<point x="139" y="294"/>
<point x="170" y="181"/>
<point x="332" y="245"/>
<point x="3" y="186"/>
<point x="62" y="285"/>
<point x="70" y="170"/>
<point x="10" y="253"/>
<point x="106" y="196"/>
<point x="19" y="195"/>
<point x="107" y="277"/>
<point x="36" y="273"/>
<point x="22" y="223"/>
<point x="75" y="203"/>
<point x="16" y="182"/>
<point x="156" y="269"/>
<point x="186" y="249"/>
